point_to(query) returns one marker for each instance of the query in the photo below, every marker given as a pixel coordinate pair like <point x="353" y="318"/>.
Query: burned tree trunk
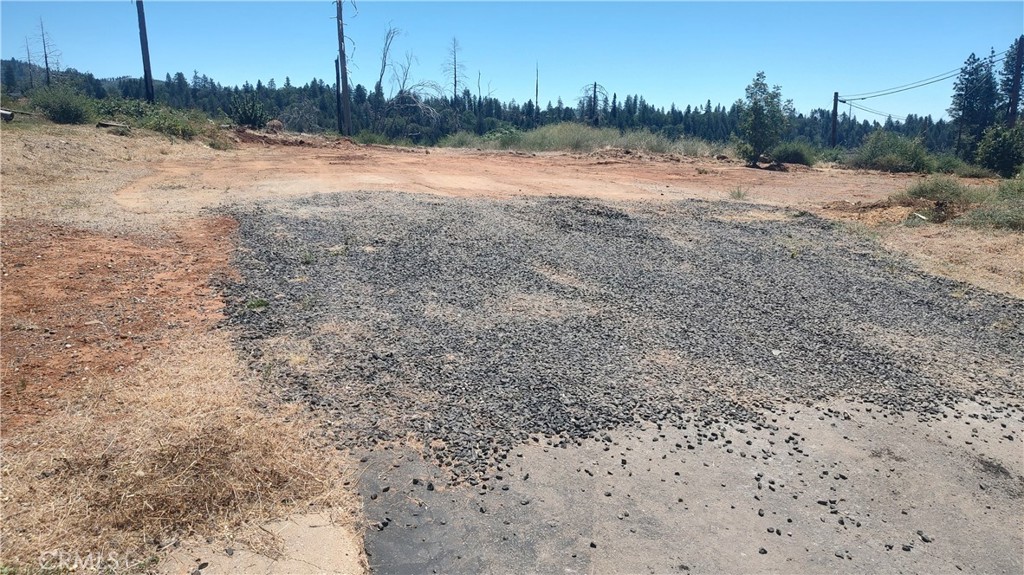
<point x="146" y="70"/>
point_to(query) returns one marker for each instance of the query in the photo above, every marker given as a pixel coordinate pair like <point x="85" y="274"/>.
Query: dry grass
<point x="176" y="449"/>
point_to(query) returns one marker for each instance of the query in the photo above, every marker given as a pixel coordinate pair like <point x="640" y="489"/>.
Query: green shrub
<point x="738" y="193"/>
<point x="972" y="171"/>
<point x="949" y="191"/>
<point x="794" y="153"/>
<point x="834" y="155"/>
<point x="567" y="136"/>
<point x="891" y="152"/>
<point x="247" y="110"/>
<point x="950" y="164"/>
<point x="184" y="124"/>
<point x="503" y="138"/>
<point x="120" y="109"/>
<point x="63" y="104"/>
<point x="176" y="123"/>
<point x="644" y="141"/>
<point x="1002" y="150"/>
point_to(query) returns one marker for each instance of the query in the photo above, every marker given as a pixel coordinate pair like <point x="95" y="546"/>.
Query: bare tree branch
<point x="389" y="37"/>
<point x="400" y="72"/>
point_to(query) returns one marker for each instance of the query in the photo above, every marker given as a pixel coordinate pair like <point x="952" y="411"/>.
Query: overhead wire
<point x="850" y="99"/>
<point x="878" y="112"/>
<point x="937" y="76"/>
<point x="992" y="59"/>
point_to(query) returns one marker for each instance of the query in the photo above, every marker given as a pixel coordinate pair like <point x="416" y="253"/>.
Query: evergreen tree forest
<point x="424" y="113"/>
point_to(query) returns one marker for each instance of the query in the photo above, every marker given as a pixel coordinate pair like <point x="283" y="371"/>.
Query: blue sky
<point x="669" y="52"/>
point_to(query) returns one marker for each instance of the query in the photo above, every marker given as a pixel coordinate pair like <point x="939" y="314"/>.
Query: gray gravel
<point x="470" y="326"/>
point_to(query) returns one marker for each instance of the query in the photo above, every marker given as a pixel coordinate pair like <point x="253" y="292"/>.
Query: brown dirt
<point x="126" y="416"/>
<point x="178" y="187"/>
<point x="79" y="304"/>
<point x="108" y="260"/>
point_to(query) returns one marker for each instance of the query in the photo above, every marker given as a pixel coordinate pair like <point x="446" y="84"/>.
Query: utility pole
<point x="146" y="70"/>
<point x="343" y="65"/>
<point x="835" y="117"/>
<point x="1011" y="117"/>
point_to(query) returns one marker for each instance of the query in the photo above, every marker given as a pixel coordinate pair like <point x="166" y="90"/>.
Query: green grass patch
<point x="1004" y="208"/>
<point x="941" y="198"/>
<point x="257" y="303"/>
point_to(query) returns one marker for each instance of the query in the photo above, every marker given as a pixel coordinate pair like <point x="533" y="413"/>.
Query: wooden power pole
<point x="835" y="117"/>
<point x="346" y="107"/>
<point x="146" y="70"/>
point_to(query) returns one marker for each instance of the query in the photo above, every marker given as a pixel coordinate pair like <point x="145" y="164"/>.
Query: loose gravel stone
<point x="474" y="326"/>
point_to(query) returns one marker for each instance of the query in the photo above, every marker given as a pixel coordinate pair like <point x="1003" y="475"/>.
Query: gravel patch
<point x="469" y="326"/>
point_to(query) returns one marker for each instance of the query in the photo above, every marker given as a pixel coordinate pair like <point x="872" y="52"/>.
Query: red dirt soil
<point x="80" y="304"/>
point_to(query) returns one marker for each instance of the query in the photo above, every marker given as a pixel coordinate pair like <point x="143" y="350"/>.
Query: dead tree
<point x="31" y="68"/>
<point x="377" y="99"/>
<point x="453" y="67"/>
<point x="147" y="72"/>
<point x="48" y="51"/>
<point x="346" y="100"/>
<point x="389" y="37"/>
<point x="588" y="98"/>
<point x="536" y="95"/>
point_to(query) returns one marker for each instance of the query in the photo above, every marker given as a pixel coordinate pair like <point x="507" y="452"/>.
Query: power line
<point x="921" y="83"/>
<point x="878" y="112"/>
<point x="937" y="76"/>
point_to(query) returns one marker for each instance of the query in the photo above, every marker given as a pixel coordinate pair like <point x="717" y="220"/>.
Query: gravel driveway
<point x="469" y="325"/>
<point x="585" y="379"/>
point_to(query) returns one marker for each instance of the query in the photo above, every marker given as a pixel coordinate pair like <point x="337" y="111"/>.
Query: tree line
<point x="424" y="113"/>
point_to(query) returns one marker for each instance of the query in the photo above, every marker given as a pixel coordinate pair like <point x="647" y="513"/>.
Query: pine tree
<point x="763" y="119"/>
<point x="1009" y="95"/>
<point x="9" y="83"/>
<point x="974" y="104"/>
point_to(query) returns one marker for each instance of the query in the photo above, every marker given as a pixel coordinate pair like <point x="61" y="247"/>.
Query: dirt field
<point x="117" y="261"/>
